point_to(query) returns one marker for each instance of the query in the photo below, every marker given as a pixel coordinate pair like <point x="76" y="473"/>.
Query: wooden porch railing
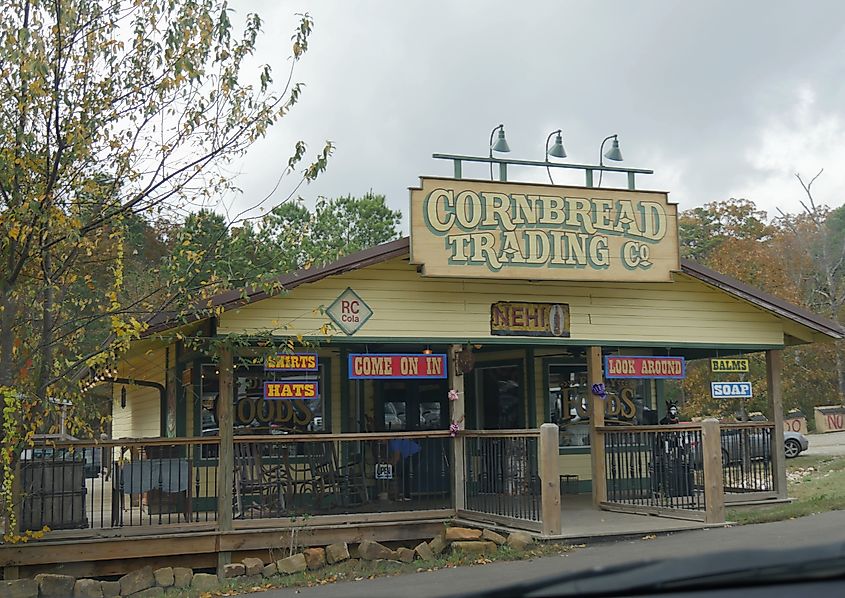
<point x="511" y="477"/>
<point x="664" y="470"/>
<point x="748" y="453"/>
<point x="135" y="483"/>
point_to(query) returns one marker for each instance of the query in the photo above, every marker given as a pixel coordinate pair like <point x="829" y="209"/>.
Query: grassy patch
<point x="817" y="483"/>
<point x="356" y="570"/>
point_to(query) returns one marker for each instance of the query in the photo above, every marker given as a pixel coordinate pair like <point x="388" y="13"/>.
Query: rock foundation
<point x="148" y="583"/>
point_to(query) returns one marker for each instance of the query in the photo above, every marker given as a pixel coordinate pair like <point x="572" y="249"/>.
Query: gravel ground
<point x="832" y="443"/>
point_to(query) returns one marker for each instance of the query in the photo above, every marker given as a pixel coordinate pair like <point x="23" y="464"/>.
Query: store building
<point x="511" y="305"/>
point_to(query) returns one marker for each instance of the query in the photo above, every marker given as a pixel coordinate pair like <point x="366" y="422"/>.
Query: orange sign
<point x="292" y="362"/>
<point x="290" y="389"/>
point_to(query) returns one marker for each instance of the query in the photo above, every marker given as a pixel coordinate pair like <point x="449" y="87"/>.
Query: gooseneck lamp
<point x="501" y="144"/>
<point x="614" y="153"/>
<point x="556" y="150"/>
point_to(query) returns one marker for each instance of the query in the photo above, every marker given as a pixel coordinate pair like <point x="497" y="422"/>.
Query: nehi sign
<point x="487" y="229"/>
<point x="529" y="319"/>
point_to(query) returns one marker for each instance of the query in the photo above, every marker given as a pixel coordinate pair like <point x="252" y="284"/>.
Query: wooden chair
<point x="329" y="483"/>
<point x="265" y="487"/>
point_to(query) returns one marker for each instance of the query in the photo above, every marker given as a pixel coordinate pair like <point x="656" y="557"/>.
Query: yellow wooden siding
<point x="142" y="416"/>
<point x="576" y="465"/>
<point x="407" y="305"/>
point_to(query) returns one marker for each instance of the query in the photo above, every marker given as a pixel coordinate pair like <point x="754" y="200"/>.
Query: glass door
<point x="501" y="397"/>
<point x="411" y="405"/>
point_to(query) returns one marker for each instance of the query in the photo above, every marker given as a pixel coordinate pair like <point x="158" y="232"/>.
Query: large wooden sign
<point x="509" y="318"/>
<point x="488" y="229"/>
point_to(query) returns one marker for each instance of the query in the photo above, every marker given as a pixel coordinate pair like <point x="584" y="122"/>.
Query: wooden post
<point x="714" y="484"/>
<point x="226" y="460"/>
<point x="774" y="365"/>
<point x="457" y="412"/>
<point x="596" y="407"/>
<point x="550" y="479"/>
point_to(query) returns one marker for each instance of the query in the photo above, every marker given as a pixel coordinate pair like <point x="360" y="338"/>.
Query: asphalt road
<point x="832" y="443"/>
<point x="825" y="528"/>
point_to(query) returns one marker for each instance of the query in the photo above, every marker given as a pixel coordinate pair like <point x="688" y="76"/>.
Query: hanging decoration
<point x="600" y="391"/>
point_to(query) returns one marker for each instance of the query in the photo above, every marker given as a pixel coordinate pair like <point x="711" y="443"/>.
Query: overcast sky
<point x="720" y="99"/>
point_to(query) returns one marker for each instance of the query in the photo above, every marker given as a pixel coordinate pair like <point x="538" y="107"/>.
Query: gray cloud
<point x="703" y="93"/>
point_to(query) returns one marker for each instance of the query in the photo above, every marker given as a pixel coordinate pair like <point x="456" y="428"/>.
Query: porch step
<point x="759" y="503"/>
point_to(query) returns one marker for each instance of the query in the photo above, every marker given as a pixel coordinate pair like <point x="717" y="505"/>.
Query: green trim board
<point x="531" y="387"/>
<point x="534" y="341"/>
<point x="196" y="395"/>
<point x="470" y="408"/>
<point x="344" y="390"/>
<point x="181" y="398"/>
<point x="327" y="398"/>
<point x="162" y="410"/>
<point x="547" y="412"/>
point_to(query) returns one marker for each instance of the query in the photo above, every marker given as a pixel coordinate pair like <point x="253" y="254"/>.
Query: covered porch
<point x="221" y="448"/>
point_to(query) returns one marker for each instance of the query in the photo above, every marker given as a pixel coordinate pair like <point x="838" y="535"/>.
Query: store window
<point x="568" y="403"/>
<point x="628" y="400"/>
<point x="252" y="413"/>
<point x="412" y="404"/>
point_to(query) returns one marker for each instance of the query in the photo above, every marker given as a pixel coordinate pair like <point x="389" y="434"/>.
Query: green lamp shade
<point x="614" y="153"/>
<point x="501" y="145"/>
<point x="557" y="148"/>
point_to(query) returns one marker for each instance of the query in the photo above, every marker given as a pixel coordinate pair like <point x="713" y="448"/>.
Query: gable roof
<point x="401" y="248"/>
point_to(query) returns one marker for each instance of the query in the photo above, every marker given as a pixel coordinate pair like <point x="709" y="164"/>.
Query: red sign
<point x="290" y="389"/>
<point x="619" y="366"/>
<point x="391" y="365"/>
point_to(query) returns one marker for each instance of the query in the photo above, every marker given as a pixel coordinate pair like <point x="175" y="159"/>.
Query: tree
<point x="703" y="229"/>
<point x="735" y="238"/>
<point x="113" y="113"/>
<point x="287" y="238"/>
<point x="820" y="233"/>
<point x="348" y="224"/>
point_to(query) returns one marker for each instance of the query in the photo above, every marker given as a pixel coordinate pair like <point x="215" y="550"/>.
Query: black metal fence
<point x="502" y="474"/>
<point x="655" y="467"/>
<point x="286" y="476"/>
<point x="747" y="459"/>
<point x="111" y="484"/>
<point x="116" y="484"/>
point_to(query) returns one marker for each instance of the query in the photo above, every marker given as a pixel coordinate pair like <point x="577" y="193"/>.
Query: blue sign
<point x="730" y="390"/>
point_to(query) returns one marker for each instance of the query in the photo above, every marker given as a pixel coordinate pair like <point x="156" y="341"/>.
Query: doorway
<point x="500" y="400"/>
